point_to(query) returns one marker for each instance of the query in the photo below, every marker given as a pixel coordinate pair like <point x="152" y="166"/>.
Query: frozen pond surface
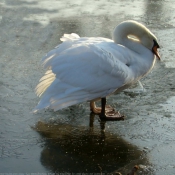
<point x="63" y="141"/>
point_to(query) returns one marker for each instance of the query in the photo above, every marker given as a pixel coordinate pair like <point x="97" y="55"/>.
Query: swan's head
<point x="149" y="40"/>
<point x="137" y="32"/>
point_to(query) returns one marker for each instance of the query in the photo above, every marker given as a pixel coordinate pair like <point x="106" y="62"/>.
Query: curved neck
<point x="131" y="28"/>
<point x="140" y="45"/>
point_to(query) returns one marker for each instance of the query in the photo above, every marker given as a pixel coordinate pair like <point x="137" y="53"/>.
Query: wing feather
<point x="45" y="82"/>
<point x="98" y="70"/>
<point x="82" y="69"/>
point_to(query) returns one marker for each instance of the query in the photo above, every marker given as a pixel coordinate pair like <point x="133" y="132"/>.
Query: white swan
<point x="87" y="69"/>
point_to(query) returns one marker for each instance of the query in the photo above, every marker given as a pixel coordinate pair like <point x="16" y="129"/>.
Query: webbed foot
<point x="115" y="116"/>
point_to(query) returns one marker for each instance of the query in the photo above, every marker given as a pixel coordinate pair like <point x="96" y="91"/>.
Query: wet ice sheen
<point x="83" y="149"/>
<point x="29" y="29"/>
<point x="169" y="106"/>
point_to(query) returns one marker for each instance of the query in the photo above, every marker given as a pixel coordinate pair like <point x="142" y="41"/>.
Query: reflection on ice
<point x="68" y="148"/>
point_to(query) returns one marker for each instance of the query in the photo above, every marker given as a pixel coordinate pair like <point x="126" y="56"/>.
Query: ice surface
<point x="29" y="29"/>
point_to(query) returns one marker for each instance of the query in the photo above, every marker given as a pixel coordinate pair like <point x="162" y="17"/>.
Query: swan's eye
<point x="132" y="37"/>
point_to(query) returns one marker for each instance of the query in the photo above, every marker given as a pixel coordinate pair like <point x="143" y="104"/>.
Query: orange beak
<point x="154" y="50"/>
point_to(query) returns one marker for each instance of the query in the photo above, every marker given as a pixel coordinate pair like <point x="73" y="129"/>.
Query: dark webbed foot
<point x="109" y="115"/>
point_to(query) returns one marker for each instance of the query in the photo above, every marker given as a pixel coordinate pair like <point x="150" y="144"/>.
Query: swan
<point x="92" y="68"/>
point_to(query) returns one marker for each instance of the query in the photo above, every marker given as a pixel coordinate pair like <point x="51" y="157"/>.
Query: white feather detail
<point x="71" y="36"/>
<point x="68" y="41"/>
<point x="45" y="82"/>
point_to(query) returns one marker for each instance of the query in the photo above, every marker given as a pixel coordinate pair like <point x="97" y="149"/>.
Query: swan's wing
<point x="82" y="72"/>
<point x="91" y="68"/>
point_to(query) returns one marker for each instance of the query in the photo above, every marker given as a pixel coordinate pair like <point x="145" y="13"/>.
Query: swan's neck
<point x="141" y="44"/>
<point x="123" y="35"/>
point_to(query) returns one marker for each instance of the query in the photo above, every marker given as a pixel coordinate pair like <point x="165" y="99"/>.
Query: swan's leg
<point x="97" y="110"/>
<point x="109" y="116"/>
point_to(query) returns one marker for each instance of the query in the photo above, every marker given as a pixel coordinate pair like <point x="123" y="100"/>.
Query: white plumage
<point x="85" y="69"/>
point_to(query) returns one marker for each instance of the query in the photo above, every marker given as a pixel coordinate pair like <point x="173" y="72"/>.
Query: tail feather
<point x="59" y="95"/>
<point x="59" y="103"/>
<point x="68" y="101"/>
